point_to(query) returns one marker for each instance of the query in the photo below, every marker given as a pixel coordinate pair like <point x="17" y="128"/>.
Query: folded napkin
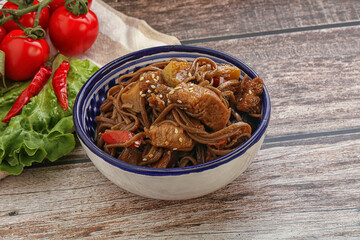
<point x="119" y="34"/>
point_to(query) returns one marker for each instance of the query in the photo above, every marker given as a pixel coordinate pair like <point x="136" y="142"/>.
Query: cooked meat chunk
<point x="249" y="103"/>
<point x="202" y="103"/>
<point x="153" y="90"/>
<point x="254" y="86"/>
<point x="170" y="136"/>
<point x="249" y="100"/>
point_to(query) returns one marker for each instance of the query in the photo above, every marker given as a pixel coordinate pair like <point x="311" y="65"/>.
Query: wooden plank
<point x="203" y="19"/>
<point x="284" y="194"/>
<point x="312" y="77"/>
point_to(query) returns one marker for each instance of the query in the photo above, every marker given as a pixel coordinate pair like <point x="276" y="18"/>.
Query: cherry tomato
<point x="23" y="55"/>
<point x="2" y="33"/>
<point x="72" y="34"/>
<point x="58" y="3"/>
<point x="27" y="20"/>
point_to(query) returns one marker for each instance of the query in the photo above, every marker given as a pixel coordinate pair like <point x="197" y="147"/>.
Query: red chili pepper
<point x="216" y="82"/>
<point x="59" y="84"/>
<point x="113" y="137"/>
<point x="38" y="82"/>
<point x="219" y="144"/>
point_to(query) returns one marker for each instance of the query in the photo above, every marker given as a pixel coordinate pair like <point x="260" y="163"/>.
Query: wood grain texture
<point x="284" y="194"/>
<point x="203" y="19"/>
<point x="303" y="184"/>
<point x="312" y="77"/>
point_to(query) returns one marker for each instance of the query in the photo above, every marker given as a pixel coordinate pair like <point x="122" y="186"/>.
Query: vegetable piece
<point x="228" y="71"/>
<point x="71" y="34"/>
<point x="113" y="137"/>
<point x="30" y="55"/>
<point x="175" y="72"/>
<point x="132" y="97"/>
<point x="27" y="20"/>
<point x="59" y="84"/>
<point x="3" y="33"/>
<point x="41" y="127"/>
<point x="38" y="82"/>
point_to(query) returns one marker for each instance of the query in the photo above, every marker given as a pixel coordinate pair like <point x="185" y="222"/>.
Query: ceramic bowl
<point x="170" y="183"/>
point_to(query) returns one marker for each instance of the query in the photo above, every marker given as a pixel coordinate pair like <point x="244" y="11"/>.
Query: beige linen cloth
<point x="119" y="34"/>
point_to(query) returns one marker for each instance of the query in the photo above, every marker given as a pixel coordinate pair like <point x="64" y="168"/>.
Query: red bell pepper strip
<point x="219" y="144"/>
<point x="216" y="82"/>
<point x="59" y="84"/>
<point x="113" y="137"/>
<point x="38" y="82"/>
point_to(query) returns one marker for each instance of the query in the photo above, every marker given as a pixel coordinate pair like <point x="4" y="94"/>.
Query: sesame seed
<point x="179" y="101"/>
<point x="147" y="81"/>
<point x="157" y="77"/>
<point x="169" y="101"/>
<point x="151" y="155"/>
<point x="177" y="87"/>
<point x="180" y="140"/>
<point x="144" y="159"/>
<point x="153" y="86"/>
<point x="140" y="93"/>
<point x="148" y="91"/>
<point x="141" y="78"/>
<point x="172" y="91"/>
<point x="153" y="75"/>
<point x="174" y="149"/>
<point x="189" y="74"/>
<point x="176" y="131"/>
<point x="166" y="143"/>
<point x="160" y="95"/>
<point x="143" y="95"/>
<point x="250" y="92"/>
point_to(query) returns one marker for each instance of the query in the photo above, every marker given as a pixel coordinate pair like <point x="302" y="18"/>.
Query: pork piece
<point x="167" y="135"/>
<point x="249" y="103"/>
<point x="175" y="72"/>
<point x="249" y="100"/>
<point x="201" y="103"/>
<point x="254" y="86"/>
<point x="155" y="92"/>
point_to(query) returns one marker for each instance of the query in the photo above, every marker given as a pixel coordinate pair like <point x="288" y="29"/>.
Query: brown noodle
<point x="209" y="144"/>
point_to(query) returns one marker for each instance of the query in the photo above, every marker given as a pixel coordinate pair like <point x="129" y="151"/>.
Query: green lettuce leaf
<point x="42" y="130"/>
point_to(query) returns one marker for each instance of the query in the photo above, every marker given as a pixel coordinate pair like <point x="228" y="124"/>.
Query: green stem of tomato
<point x="17" y="13"/>
<point x="77" y="7"/>
<point x="36" y="20"/>
<point x="22" y="3"/>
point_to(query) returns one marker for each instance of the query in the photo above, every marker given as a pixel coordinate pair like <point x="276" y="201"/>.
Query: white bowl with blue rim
<point x="169" y="183"/>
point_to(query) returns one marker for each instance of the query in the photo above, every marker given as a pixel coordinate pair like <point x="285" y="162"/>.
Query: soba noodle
<point x="204" y="110"/>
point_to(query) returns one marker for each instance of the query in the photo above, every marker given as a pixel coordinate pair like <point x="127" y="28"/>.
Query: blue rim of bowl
<point x="78" y="113"/>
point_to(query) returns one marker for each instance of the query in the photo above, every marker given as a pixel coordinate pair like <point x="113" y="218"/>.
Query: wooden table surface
<point x="303" y="184"/>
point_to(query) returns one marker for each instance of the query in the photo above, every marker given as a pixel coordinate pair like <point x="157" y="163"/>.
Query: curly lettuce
<point x="42" y="130"/>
